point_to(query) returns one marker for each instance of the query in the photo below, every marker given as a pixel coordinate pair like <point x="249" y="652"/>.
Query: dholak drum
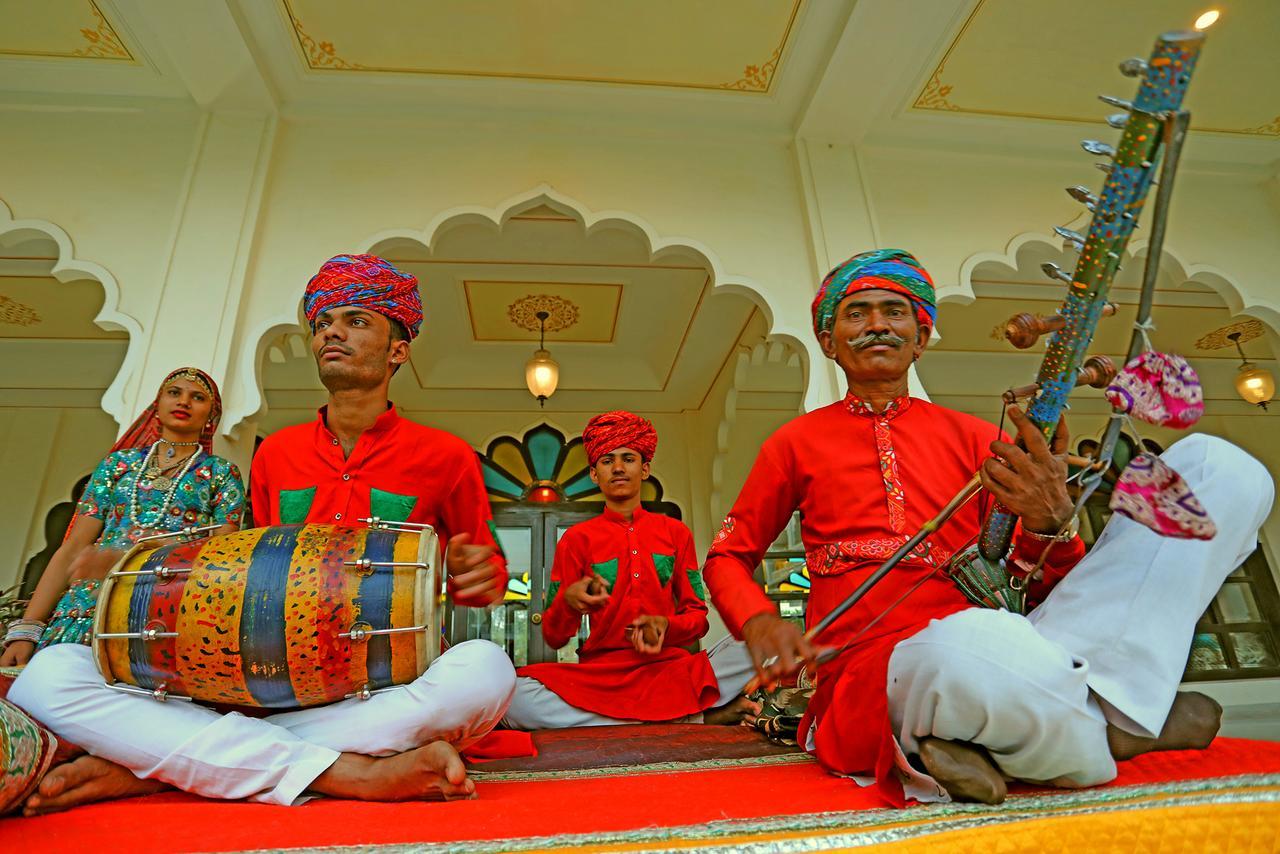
<point x="280" y="618"/>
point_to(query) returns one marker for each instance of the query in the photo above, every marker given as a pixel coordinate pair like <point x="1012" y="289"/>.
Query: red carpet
<point x="506" y="810"/>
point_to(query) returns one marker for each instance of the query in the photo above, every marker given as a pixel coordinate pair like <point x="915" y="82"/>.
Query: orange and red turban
<point x="366" y="281"/>
<point x="613" y="430"/>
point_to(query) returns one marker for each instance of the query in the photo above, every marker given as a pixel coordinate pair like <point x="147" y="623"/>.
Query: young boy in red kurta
<point x="635" y="573"/>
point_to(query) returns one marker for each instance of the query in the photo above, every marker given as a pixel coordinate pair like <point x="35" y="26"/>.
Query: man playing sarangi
<point x="635" y="574"/>
<point x="935" y="697"/>
<point x="359" y="457"/>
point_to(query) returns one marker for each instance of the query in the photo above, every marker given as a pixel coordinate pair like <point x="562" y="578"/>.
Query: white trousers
<point x="462" y="696"/>
<point x="1109" y="644"/>
<point x="535" y="706"/>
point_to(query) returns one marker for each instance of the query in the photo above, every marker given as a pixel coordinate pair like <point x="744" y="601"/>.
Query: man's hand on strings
<point x="1031" y="480"/>
<point x="588" y="594"/>
<point x="777" y="647"/>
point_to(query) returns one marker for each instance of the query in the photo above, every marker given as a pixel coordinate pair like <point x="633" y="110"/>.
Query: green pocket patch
<point x="608" y="571"/>
<point x="695" y="581"/>
<point x="295" y="504"/>
<point x="665" y="565"/>
<point x="390" y="506"/>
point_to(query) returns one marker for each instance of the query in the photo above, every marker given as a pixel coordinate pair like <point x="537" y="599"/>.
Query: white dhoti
<point x="1109" y="644"/>
<point x="460" y="698"/>
<point x="535" y="706"/>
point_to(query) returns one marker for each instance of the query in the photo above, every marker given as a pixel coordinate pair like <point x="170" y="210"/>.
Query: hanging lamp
<point x="542" y="373"/>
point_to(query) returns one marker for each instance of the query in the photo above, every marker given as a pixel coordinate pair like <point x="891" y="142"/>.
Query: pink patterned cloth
<point x="1158" y="388"/>
<point x="1153" y="494"/>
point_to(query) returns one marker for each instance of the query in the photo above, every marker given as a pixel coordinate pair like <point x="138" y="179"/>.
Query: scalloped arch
<point x="1238" y="299"/>
<point x="497" y="216"/>
<point x="69" y="268"/>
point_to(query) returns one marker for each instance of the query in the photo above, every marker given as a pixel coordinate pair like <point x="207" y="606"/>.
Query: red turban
<point x="366" y="281"/>
<point x="613" y="430"/>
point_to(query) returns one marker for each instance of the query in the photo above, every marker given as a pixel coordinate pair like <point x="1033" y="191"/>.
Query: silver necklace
<point x="169" y="454"/>
<point x="170" y="484"/>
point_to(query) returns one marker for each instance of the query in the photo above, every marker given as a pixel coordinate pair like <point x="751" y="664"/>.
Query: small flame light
<point x="1207" y="20"/>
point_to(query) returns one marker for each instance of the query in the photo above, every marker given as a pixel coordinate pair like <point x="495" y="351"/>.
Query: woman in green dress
<point x="160" y="476"/>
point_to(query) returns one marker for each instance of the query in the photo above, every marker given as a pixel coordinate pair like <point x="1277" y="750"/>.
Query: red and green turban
<point x="886" y="269"/>
<point x="613" y="430"/>
<point x="365" y="281"/>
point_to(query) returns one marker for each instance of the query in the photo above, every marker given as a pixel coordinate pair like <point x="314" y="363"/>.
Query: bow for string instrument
<point x="1153" y="124"/>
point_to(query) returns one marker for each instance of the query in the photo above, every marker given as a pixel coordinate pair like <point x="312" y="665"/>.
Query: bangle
<point x="24" y="630"/>
<point x="1066" y="535"/>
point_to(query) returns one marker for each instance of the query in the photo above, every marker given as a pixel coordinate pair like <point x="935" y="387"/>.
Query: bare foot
<point x="1192" y="723"/>
<point x="84" y="781"/>
<point x="432" y="772"/>
<point x="964" y="770"/>
<point x="740" y="711"/>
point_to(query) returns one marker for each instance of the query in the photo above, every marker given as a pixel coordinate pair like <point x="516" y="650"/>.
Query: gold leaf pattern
<point x="102" y="42"/>
<point x="1217" y="339"/>
<point x="320" y="55"/>
<point x="934" y="95"/>
<point x="19" y="314"/>
<point x="1271" y="128"/>
<point x="562" y="313"/>
<point x="756" y="78"/>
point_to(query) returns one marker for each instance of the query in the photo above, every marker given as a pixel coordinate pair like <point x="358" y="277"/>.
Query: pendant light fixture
<point x="542" y="373"/>
<point x="1254" y="384"/>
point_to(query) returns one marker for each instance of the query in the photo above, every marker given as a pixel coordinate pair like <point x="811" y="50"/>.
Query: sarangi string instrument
<point x="1152" y="125"/>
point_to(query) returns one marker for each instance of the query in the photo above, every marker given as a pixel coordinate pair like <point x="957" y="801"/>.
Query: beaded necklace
<point x="168" y="497"/>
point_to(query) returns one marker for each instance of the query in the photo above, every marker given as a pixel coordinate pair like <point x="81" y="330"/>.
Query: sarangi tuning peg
<point x="1116" y="102"/>
<point x="1133" y="67"/>
<point x="1100" y="148"/>
<point x="1118" y="120"/>
<point x="1074" y="239"/>
<point x="1096" y="372"/>
<point x="1023" y="330"/>
<point x="1082" y="195"/>
<point x="1053" y="271"/>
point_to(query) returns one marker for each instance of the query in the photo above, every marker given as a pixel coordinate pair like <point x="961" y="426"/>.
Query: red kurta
<point x="863" y="483"/>
<point x="652" y="570"/>
<point x="399" y="471"/>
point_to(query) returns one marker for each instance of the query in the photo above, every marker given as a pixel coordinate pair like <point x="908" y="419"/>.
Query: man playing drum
<point x="935" y="697"/>
<point x="635" y="573"/>
<point x="359" y="458"/>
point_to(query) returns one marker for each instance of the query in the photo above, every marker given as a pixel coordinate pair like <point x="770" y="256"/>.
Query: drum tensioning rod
<point x="160" y="695"/>
<point x="162" y="572"/>
<point x="184" y="533"/>
<point x="148" y="634"/>
<point x="389" y="525"/>
<point x="366" y="692"/>
<point x="359" y="633"/>
<point x="365" y="563"/>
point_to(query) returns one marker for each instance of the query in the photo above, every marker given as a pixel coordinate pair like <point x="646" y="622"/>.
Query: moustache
<point x="346" y="351"/>
<point x="873" y="338"/>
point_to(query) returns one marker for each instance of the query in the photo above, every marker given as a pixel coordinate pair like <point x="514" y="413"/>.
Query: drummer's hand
<point x="647" y="634"/>
<point x="777" y="647"/>
<point x="17" y="654"/>
<point x="475" y="578"/>
<point x="588" y="594"/>
<point x="1032" y="480"/>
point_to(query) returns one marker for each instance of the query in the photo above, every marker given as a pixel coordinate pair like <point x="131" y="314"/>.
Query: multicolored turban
<point x="613" y="430"/>
<point x="888" y="269"/>
<point x="366" y="281"/>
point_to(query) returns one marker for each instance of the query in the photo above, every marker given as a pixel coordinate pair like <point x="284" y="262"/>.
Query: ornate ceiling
<point x="1025" y="60"/>
<point x="734" y="45"/>
<point x="59" y="29"/>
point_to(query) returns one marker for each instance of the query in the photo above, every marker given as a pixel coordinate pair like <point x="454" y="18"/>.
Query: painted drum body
<point x="257" y="615"/>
